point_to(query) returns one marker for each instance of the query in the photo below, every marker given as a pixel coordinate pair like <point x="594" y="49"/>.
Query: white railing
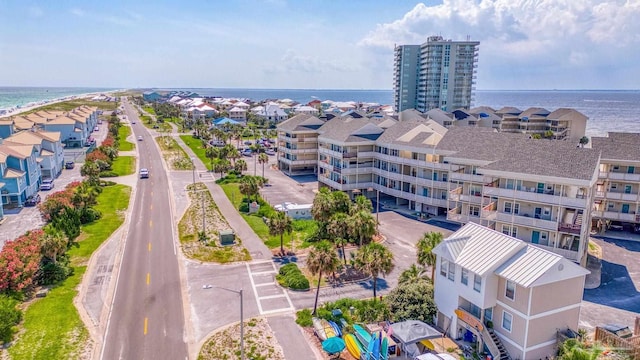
<point x="624" y="176"/>
<point x="531" y="222"/>
<point x="622" y="196"/>
<point x="616" y="216"/>
<point x="536" y="197"/>
<point x="568" y="254"/>
<point x="358" y="170"/>
<point x="466" y="177"/>
<point x="471" y="199"/>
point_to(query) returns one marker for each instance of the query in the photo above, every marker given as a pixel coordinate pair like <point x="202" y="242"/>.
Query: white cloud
<point x="291" y="61"/>
<point x="77" y="12"/>
<point x="556" y="34"/>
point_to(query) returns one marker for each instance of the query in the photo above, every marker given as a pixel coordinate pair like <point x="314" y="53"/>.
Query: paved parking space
<point x="270" y="297"/>
<point x="282" y="188"/>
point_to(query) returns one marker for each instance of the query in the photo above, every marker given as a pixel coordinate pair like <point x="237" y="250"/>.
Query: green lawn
<point x="123" y="133"/>
<point x="124" y="165"/>
<point x="52" y="328"/>
<point x="149" y="110"/>
<point x="302" y="229"/>
<point x="197" y="148"/>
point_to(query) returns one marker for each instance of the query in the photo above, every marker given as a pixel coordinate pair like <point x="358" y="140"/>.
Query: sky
<point x="313" y="44"/>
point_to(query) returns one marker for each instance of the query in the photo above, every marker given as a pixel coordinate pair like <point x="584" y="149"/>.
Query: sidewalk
<point x="250" y="240"/>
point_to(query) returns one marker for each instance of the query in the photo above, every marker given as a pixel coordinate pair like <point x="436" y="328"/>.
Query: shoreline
<point x="13" y="111"/>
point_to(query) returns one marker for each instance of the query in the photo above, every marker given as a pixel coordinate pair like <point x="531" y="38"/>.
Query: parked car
<point x="269" y="151"/>
<point x="144" y="173"/>
<point x="47" y="184"/>
<point x="69" y="165"/>
<point x="33" y="200"/>
<point x="247" y="152"/>
<point x="139" y="138"/>
<point x="217" y="143"/>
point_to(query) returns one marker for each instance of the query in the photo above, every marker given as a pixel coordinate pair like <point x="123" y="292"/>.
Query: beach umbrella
<point x="333" y="345"/>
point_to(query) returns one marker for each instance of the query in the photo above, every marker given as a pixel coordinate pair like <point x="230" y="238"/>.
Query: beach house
<point x="19" y="172"/>
<point x="298" y="144"/>
<point x="50" y="149"/>
<point x="509" y="297"/>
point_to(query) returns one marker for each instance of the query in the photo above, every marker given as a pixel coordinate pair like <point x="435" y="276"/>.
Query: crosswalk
<point x="271" y="298"/>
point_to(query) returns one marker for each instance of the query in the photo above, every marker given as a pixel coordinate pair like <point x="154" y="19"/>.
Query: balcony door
<point x="535" y="237"/>
<point x="625" y="208"/>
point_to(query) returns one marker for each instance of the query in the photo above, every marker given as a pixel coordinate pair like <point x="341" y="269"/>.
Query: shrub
<point x="109" y="173"/>
<point x="303" y="318"/>
<point x="19" y="262"/>
<point x="10" y="316"/>
<point x="288" y="268"/>
<point x="89" y="215"/>
<point x="412" y="301"/>
<point x="53" y="273"/>
<point x="297" y="282"/>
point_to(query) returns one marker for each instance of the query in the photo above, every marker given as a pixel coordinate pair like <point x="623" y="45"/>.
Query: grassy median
<point x="52" y="328"/>
<point x="124" y="165"/>
<point x="123" y="133"/>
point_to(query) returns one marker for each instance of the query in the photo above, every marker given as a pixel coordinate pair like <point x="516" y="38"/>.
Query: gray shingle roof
<point x="520" y="154"/>
<point x="343" y="129"/>
<point x="416" y="132"/>
<point x="618" y="146"/>
<point x="301" y="122"/>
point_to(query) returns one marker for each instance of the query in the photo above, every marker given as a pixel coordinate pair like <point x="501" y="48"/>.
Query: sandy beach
<point x="15" y="111"/>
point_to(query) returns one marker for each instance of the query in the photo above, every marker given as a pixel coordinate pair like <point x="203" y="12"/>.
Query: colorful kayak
<point x="384" y="349"/>
<point x="353" y="346"/>
<point x="323" y="329"/>
<point x="375" y="349"/>
<point x="370" y="347"/>
<point x="363" y="336"/>
<point x="336" y="328"/>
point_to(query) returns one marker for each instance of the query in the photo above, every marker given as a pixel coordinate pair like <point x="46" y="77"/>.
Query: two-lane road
<point x="147" y="319"/>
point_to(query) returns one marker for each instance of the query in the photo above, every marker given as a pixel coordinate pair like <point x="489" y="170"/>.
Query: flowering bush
<point x="19" y="262"/>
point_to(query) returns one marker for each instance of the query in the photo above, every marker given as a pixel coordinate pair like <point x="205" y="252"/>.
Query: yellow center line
<point x="149" y="245"/>
<point x="151" y="207"/>
<point x="152" y="191"/>
<point x="148" y="278"/>
<point x="146" y="320"/>
<point x="150" y="223"/>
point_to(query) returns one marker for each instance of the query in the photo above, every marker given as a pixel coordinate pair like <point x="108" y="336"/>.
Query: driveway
<point x="618" y="297"/>
<point x="282" y="188"/>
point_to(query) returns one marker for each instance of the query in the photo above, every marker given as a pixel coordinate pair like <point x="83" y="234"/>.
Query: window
<point x="451" y="275"/>
<point x="488" y="314"/>
<point x="507" y="319"/>
<point x="444" y="266"/>
<point x="510" y="290"/>
<point x="510" y="230"/>
<point x="464" y="276"/>
<point x="477" y="282"/>
<point x="474" y="210"/>
<point x="507" y="207"/>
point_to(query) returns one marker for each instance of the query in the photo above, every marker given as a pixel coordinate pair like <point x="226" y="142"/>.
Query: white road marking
<point x="255" y="286"/>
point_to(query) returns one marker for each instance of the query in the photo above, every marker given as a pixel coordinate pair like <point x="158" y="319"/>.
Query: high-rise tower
<point x="437" y="74"/>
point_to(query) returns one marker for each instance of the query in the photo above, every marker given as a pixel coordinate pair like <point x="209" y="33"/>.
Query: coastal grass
<point x="149" y="110"/>
<point x="123" y="134"/>
<point x="72" y="104"/>
<point x="303" y="229"/>
<point x="124" y="165"/>
<point x="52" y="328"/>
<point x="174" y="154"/>
<point x="198" y="148"/>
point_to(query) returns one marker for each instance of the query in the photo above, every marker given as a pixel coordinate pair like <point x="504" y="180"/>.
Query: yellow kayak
<point x="353" y="346"/>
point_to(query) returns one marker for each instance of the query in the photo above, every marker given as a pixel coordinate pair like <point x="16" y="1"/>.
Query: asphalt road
<point x="147" y="316"/>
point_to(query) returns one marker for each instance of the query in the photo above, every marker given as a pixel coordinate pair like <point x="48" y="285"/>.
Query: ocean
<point x="607" y="110"/>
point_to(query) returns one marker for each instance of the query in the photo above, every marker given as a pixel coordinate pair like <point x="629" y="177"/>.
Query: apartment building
<point x="437" y="74"/>
<point x="536" y="190"/>
<point x="47" y="144"/>
<point x="560" y="124"/>
<point x="19" y="172"/>
<point x="298" y="144"/>
<point x="508" y="295"/>
<point x="617" y="198"/>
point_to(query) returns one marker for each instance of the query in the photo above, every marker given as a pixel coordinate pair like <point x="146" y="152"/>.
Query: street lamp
<point x="377" y="204"/>
<point x="241" y="315"/>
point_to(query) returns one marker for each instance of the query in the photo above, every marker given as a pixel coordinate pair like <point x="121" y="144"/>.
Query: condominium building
<point x="510" y="296"/>
<point x="537" y="190"/>
<point x="298" y="144"/>
<point x="437" y="74"/>
<point x="617" y="198"/>
<point x="560" y="124"/>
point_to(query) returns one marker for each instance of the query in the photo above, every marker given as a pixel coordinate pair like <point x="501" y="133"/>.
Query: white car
<point x="139" y="138"/>
<point x="47" y="184"/>
<point x="270" y="152"/>
<point x="144" y="173"/>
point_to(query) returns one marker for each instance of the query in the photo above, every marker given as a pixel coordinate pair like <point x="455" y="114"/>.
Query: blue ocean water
<point x="20" y="96"/>
<point x="607" y="110"/>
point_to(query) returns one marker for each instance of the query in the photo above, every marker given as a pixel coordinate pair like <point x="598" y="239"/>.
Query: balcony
<point x="528" y="221"/>
<point x="473" y="199"/>
<point x="621" y="196"/>
<point x="297" y="162"/>
<point x="466" y="177"/>
<point x="454" y="195"/>
<point x="624" y="176"/>
<point x="570" y="228"/>
<point x="362" y="169"/>
<point x="568" y="254"/>
<point x="534" y="196"/>
<point x="618" y="216"/>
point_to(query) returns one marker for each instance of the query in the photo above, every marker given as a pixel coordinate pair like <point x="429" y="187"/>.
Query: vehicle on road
<point x="139" y="138"/>
<point x="144" y="173"/>
<point x="69" y="165"/>
<point x="97" y="128"/>
<point x="33" y="200"/>
<point x="270" y="152"/>
<point x="47" y="184"/>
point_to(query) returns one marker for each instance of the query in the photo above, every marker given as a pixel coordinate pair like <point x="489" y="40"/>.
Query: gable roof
<point x="17" y="151"/>
<point x="301" y="122"/>
<point x="618" y="146"/>
<point x="351" y="129"/>
<point x="482" y="250"/>
<point x="61" y="120"/>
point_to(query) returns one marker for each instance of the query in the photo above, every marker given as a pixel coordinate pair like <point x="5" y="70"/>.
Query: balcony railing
<point x="618" y="216"/>
<point x="569" y="254"/>
<point x="621" y="196"/>
<point x="624" y="176"/>
<point x="570" y="228"/>
<point x="534" y="196"/>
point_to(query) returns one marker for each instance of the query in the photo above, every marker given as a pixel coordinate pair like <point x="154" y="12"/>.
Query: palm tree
<point x="232" y="153"/>
<point x="374" y="259"/>
<point x="211" y="153"/>
<point x="263" y="159"/>
<point x="321" y="209"/>
<point x="411" y="275"/>
<point x="425" y="246"/>
<point x="249" y="187"/>
<point x="53" y="244"/>
<point x="584" y="141"/>
<point x="85" y="196"/>
<point x="361" y="203"/>
<point x="221" y="166"/>
<point x="240" y="165"/>
<point x="321" y="259"/>
<point x="340" y="203"/>
<point x="572" y="349"/>
<point x="362" y="226"/>
<point x="338" y="231"/>
<point x="280" y="223"/>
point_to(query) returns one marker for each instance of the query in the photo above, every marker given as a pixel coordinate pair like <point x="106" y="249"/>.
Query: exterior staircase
<point x="577" y="219"/>
<point x="504" y="355"/>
